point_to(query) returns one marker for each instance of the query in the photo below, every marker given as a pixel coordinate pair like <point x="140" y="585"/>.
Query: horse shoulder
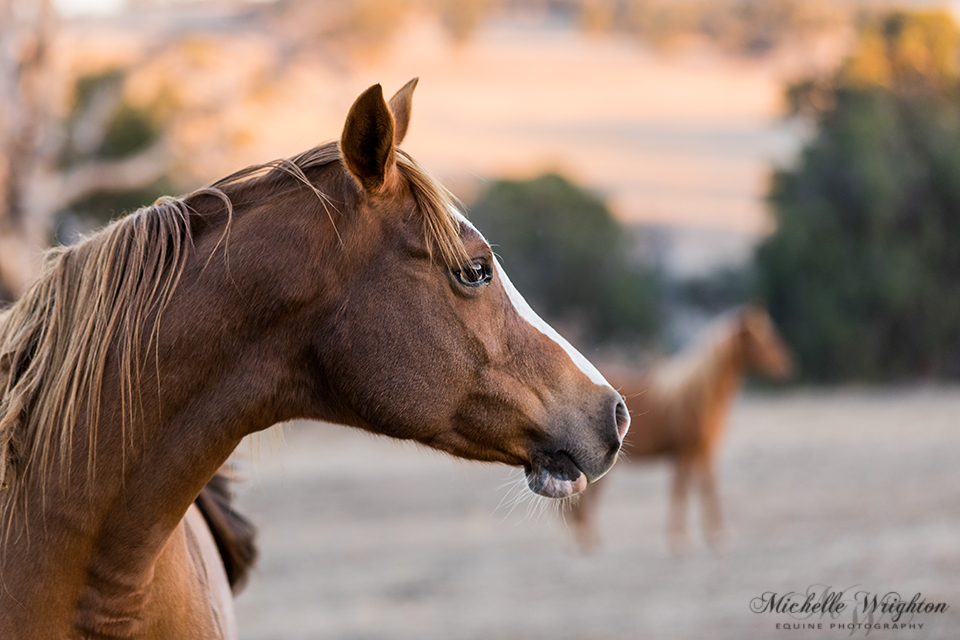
<point x="194" y="597"/>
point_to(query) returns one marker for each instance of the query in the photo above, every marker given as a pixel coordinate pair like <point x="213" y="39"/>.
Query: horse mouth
<point x="556" y="476"/>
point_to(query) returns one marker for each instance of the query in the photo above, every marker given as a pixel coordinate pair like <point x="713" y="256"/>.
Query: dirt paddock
<point x="858" y="490"/>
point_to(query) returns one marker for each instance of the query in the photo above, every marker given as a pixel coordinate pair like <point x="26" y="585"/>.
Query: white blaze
<point x="528" y="314"/>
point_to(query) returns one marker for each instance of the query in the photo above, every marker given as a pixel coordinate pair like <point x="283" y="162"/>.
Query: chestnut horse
<point x="680" y="410"/>
<point x="339" y="285"/>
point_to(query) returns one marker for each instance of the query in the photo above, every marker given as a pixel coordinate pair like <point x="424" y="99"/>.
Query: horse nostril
<point x="623" y="419"/>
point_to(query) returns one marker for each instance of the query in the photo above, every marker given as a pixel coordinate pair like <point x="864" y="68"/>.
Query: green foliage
<point x="130" y="130"/>
<point x="905" y="52"/>
<point x="123" y="129"/>
<point x="863" y="273"/>
<point x="568" y="255"/>
<point x="87" y="87"/>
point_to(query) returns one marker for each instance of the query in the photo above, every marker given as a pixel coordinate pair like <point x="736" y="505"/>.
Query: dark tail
<point x="235" y="535"/>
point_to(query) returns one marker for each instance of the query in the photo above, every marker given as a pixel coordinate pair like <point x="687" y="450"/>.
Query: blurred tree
<point x="717" y="291"/>
<point x="863" y="272"/>
<point x="112" y="156"/>
<point x="25" y="32"/>
<point x="47" y="163"/>
<point x="568" y="255"/>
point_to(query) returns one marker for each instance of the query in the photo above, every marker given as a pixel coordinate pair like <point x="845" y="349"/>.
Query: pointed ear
<point x="400" y="105"/>
<point x="367" y="139"/>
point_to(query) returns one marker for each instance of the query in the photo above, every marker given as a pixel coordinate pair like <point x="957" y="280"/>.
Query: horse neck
<point x="224" y="355"/>
<point x="732" y="368"/>
<point x="719" y="373"/>
<point x="145" y="474"/>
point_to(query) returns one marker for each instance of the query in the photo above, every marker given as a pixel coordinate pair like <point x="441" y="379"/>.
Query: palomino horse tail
<point x="234" y="534"/>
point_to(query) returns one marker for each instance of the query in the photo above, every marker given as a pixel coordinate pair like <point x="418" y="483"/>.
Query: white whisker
<point x="516" y="493"/>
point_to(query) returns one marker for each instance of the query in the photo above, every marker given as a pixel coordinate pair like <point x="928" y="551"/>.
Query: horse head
<point x="416" y="332"/>
<point x="764" y="350"/>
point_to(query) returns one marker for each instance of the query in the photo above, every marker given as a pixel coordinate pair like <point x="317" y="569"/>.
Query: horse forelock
<point x="102" y="292"/>
<point x="440" y="211"/>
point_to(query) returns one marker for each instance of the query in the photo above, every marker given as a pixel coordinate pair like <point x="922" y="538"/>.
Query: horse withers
<point x="339" y="285"/>
<point x="680" y="409"/>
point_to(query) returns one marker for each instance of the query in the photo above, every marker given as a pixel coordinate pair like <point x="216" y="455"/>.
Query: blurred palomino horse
<point x="680" y="409"/>
<point x="340" y="285"/>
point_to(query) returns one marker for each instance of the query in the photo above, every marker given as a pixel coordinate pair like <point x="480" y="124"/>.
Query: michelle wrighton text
<point x="865" y="607"/>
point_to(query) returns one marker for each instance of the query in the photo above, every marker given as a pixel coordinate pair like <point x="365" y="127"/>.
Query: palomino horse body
<point x="339" y="285"/>
<point x="680" y="409"/>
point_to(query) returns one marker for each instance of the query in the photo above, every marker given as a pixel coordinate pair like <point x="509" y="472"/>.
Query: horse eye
<point x="474" y="274"/>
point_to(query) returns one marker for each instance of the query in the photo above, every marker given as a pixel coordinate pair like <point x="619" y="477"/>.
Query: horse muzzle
<point x="565" y="470"/>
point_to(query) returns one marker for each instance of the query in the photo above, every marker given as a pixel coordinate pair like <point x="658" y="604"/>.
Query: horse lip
<point x="556" y="480"/>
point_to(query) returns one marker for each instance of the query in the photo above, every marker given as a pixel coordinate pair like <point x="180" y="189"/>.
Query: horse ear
<point x="400" y="105"/>
<point x="367" y="139"/>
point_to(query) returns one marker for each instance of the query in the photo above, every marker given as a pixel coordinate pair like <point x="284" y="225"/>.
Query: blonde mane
<point x="55" y="341"/>
<point x="441" y="228"/>
<point x="691" y="375"/>
<point x="101" y="293"/>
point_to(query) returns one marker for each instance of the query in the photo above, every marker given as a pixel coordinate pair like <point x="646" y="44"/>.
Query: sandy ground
<point x="362" y="537"/>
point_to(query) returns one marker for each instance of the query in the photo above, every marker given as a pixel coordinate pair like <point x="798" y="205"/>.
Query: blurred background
<point x="641" y="166"/>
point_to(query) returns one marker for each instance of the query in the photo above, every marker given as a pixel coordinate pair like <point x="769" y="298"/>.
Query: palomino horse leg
<point x="714" y="529"/>
<point x="583" y="514"/>
<point x="677" y="519"/>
